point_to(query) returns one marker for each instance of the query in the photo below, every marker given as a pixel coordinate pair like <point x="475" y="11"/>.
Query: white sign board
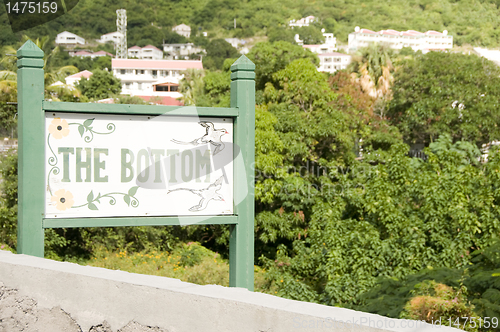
<point x="134" y="165"/>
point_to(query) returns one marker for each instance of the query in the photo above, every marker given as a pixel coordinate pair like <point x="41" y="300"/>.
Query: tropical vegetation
<point x="344" y="216"/>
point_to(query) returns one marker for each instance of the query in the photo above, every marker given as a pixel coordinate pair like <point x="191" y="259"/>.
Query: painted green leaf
<point x="88" y="122"/>
<point x="132" y="191"/>
<point x="81" y="130"/>
<point x="126" y="198"/>
<point x="90" y="196"/>
<point x="92" y="206"/>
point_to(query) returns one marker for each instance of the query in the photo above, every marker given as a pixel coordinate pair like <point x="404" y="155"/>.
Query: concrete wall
<point x="92" y="295"/>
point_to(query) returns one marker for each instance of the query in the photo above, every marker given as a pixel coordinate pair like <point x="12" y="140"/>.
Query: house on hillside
<point x="331" y="62"/>
<point x="183" y="30"/>
<point x="89" y="54"/>
<point x="157" y="79"/>
<point x="423" y="41"/>
<point x="181" y="51"/>
<point x="329" y="45"/>
<point x="72" y="79"/>
<point x="70" y="39"/>
<point x="303" y="22"/>
<point x="148" y="52"/>
<point x="114" y="37"/>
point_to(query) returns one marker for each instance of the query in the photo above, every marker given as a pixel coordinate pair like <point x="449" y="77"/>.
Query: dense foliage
<point x="342" y="211"/>
<point x="450" y="93"/>
<point x="150" y="22"/>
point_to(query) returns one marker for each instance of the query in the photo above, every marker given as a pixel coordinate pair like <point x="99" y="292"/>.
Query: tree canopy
<point x="102" y="84"/>
<point x="452" y="93"/>
<point x="218" y="50"/>
<point x="270" y="58"/>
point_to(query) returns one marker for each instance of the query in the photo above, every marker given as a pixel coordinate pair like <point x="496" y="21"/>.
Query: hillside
<point x="149" y="21"/>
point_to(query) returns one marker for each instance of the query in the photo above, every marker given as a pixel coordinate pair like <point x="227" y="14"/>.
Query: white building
<point x="92" y="55"/>
<point x="114" y="37"/>
<point x="235" y="42"/>
<point x="331" y="62"/>
<point x="424" y="41"/>
<point x="72" y="79"/>
<point x="329" y="46"/>
<point x="152" y="78"/>
<point x="181" y="51"/>
<point x="146" y="53"/>
<point x="183" y="30"/>
<point x="303" y="22"/>
<point x="68" y="38"/>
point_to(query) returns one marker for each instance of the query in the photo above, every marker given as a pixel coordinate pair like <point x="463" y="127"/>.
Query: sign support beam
<point x="241" y="241"/>
<point x="31" y="167"/>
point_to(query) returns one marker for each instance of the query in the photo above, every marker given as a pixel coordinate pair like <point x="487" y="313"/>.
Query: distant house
<point x="423" y="41"/>
<point x="331" y="62"/>
<point x="303" y="22"/>
<point x="81" y="54"/>
<point x="235" y="42"/>
<point x="102" y="53"/>
<point x="92" y="55"/>
<point x="72" y="79"/>
<point x="183" y="30"/>
<point x="152" y="78"/>
<point x="148" y="52"/>
<point x="114" y="37"/>
<point x="68" y="38"/>
<point x="329" y="46"/>
<point x="181" y="51"/>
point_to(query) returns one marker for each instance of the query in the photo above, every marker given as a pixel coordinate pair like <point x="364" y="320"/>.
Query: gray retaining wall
<point x="92" y="295"/>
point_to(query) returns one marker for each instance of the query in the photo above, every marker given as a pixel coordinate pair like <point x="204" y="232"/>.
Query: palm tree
<point x="8" y="77"/>
<point x="191" y="86"/>
<point x="373" y="69"/>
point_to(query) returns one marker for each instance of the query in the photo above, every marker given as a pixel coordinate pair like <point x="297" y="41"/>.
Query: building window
<point x="122" y="71"/>
<point x="127" y="85"/>
<point x="139" y="86"/>
<point x="174" y="88"/>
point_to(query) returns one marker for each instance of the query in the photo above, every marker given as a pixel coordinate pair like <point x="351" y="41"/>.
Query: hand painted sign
<point x="118" y="165"/>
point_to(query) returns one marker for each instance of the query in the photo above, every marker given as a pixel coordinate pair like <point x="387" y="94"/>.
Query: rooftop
<point x="403" y="33"/>
<point x="84" y="73"/>
<point x="156" y="64"/>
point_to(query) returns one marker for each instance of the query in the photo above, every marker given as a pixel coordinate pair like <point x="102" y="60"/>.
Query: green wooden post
<point x="241" y="242"/>
<point x="31" y="167"/>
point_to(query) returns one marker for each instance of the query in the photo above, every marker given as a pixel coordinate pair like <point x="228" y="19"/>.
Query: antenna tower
<point x="121" y="26"/>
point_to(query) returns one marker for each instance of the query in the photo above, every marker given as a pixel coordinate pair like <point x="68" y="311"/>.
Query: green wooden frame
<point x="31" y="183"/>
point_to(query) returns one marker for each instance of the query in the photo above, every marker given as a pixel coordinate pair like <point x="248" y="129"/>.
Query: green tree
<point x="275" y="34"/>
<point x="310" y="35"/>
<point x="218" y="50"/>
<point x="390" y="220"/>
<point x="102" y="84"/>
<point x="449" y="93"/>
<point x="191" y="86"/>
<point x="270" y="58"/>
